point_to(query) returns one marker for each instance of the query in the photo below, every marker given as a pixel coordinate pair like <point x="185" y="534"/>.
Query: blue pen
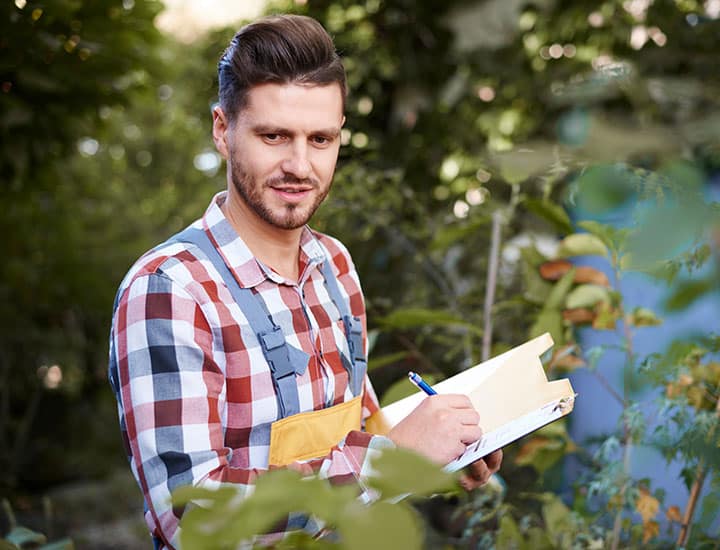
<point x="420" y="383"/>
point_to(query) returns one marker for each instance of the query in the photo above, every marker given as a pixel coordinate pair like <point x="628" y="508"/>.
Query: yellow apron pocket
<point x="312" y="434"/>
<point x="377" y="424"/>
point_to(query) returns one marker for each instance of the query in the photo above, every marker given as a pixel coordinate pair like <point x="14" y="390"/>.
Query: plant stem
<point x="617" y="524"/>
<point x="416" y="353"/>
<point x="627" y="435"/>
<point x="695" y="490"/>
<point x="605" y="384"/>
<point x="493" y="263"/>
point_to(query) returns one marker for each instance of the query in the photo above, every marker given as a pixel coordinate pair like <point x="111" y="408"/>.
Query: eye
<point x="321" y="141"/>
<point x="272" y="138"/>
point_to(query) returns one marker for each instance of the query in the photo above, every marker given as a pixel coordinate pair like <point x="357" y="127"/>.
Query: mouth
<point x="292" y="189"/>
<point x="292" y="193"/>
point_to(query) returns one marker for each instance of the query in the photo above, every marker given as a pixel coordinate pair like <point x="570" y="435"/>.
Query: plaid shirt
<point x="195" y="394"/>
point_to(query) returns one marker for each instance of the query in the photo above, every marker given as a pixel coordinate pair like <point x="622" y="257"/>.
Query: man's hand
<point x="478" y="473"/>
<point x="439" y="428"/>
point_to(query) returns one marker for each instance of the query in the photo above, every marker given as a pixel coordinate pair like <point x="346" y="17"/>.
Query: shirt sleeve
<point x="171" y="399"/>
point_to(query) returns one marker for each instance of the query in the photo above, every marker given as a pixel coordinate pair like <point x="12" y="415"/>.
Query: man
<point x="227" y="331"/>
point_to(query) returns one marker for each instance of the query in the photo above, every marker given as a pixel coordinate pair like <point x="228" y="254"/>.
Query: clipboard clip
<point x="565" y="403"/>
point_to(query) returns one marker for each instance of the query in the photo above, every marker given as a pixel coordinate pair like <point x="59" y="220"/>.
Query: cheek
<point x="257" y="160"/>
<point x="326" y="165"/>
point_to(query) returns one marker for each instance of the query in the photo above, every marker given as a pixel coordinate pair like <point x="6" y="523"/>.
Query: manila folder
<point x="511" y="393"/>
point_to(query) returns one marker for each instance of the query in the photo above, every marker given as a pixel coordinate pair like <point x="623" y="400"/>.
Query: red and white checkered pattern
<point x="196" y="398"/>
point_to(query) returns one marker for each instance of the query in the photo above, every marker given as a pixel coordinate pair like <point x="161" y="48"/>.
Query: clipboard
<point x="511" y="393"/>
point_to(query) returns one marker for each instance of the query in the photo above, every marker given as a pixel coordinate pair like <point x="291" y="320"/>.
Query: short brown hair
<point x="278" y="49"/>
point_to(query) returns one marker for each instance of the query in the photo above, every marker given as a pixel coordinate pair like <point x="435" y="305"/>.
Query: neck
<point x="275" y="247"/>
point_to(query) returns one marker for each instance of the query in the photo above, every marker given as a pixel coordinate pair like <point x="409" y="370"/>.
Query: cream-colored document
<point x="510" y="392"/>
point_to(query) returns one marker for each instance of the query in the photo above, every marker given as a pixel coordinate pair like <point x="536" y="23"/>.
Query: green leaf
<point x="221" y="522"/>
<point x="536" y="289"/>
<point x="400" y="471"/>
<point x="614" y="238"/>
<point x="551" y="212"/>
<point x="710" y="509"/>
<point x="381" y="526"/>
<point x="582" y="244"/>
<point x="542" y="453"/>
<point x="586" y="296"/>
<point x="187" y="493"/>
<point x="667" y="231"/>
<point x="21" y="536"/>
<point x="556" y="517"/>
<point x="421" y="317"/>
<point x="560" y="290"/>
<point x="687" y="292"/>
<point x="300" y="540"/>
<point x="402" y="388"/>
<point x="643" y="317"/>
<point x="549" y="320"/>
<point x="446" y="235"/>
<point x="537" y="539"/>
<point x="688" y="476"/>
<point x="509" y="537"/>
<point x="372" y="339"/>
<point x="328" y="502"/>
<point x="602" y="188"/>
<point x="532" y="256"/>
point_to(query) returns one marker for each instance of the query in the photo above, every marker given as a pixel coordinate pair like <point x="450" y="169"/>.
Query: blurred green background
<point x="457" y="110"/>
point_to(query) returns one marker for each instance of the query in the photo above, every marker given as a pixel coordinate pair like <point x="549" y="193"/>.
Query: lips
<point x="292" y="193"/>
<point x="289" y="189"/>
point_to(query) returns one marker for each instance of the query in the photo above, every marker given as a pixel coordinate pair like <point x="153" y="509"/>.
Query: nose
<point x="297" y="162"/>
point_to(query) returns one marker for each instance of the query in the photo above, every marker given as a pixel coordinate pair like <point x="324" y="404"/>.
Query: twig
<point x="627" y="436"/>
<point x="416" y="353"/>
<point x="493" y="262"/>
<point x="605" y="384"/>
<point x="617" y="524"/>
<point x="695" y="490"/>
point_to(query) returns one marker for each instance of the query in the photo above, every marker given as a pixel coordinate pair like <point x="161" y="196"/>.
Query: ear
<point x="219" y="131"/>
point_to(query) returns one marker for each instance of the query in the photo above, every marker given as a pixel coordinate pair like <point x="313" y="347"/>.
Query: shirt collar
<point x="248" y="271"/>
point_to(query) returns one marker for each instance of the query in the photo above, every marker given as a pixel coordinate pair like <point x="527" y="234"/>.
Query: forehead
<point x="294" y="106"/>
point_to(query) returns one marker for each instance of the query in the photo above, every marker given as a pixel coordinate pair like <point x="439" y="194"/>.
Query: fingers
<point x="479" y="472"/>
<point x="440" y="427"/>
<point x="477" y="475"/>
<point x="470" y="434"/>
<point x="493" y="460"/>
<point x="454" y="400"/>
<point x="458" y="407"/>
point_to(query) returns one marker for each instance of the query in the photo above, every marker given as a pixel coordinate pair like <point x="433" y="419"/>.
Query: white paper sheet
<point x="512" y="431"/>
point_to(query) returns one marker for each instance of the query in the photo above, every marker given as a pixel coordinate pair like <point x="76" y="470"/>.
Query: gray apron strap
<point x="353" y="332"/>
<point x="269" y="335"/>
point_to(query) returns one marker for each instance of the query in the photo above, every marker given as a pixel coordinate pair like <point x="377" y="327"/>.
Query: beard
<point x="288" y="216"/>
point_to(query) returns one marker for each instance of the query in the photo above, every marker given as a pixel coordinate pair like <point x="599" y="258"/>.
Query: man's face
<point x="281" y="151"/>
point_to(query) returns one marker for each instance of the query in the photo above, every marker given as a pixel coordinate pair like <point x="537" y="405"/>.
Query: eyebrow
<point x="268" y="129"/>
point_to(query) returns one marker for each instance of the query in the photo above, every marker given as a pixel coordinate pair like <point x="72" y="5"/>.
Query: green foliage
<point x="402" y="388"/>
<point x="581" y="244"/>
<point x="219" y="520"/>
<point x="105" y="172"/>
<point x="107" y="49"/>
<point x="20" y="537"/>
<point x="457" y="110"/>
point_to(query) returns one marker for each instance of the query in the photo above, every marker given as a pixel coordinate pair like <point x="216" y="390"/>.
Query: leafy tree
<point x="466" y="119"/>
